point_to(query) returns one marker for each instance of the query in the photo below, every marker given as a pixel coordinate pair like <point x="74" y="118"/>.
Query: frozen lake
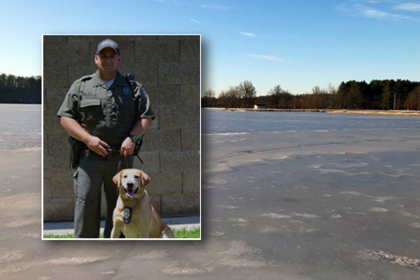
<point x="20" y="127"/>
<point x="314" y="195"/>
<point x="216" y="122"/>
<point x="294" y="196"/>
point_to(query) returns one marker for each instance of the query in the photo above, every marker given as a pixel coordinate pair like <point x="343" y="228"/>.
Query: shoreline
<point x="332" y="111"/>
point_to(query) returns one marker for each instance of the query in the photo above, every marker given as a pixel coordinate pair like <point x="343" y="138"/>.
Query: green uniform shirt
<point x="108" y="113"/>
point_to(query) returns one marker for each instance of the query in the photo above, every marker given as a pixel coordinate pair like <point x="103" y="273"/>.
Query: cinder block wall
<point x="168" y="67"/>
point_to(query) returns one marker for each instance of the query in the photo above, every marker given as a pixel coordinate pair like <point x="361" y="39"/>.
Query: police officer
<point x="106" y="113"/>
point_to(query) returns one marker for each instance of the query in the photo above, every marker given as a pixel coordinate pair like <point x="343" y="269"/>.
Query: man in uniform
<point x="107" y="114"/>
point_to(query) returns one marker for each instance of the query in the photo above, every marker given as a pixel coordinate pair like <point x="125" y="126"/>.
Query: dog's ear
<point x="145" y="179"/>
<point x="117" y="178"/>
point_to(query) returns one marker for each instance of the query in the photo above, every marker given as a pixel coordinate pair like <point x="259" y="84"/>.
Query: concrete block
<point x="156" y="51"/>
<point x="163" y="140"/>
<point x="75" y="53"/>
<point x="61" y="209"/>
<point x="169" y="38"/>
<point x="62" y="186"/>
<point x="184" y="117"/>
<point x="45" y="144"/>
<point x="95" y="39"/>
<point x="191" y="182"/>
<point x="145" y="38"/>
<point x="81" y="38"/>
<point x="57" y="165"/>
<point x="166" y="96"/>
<point x="58" y="144"/>
<point x="190" y="48"/>
<point x="186" y="161"/>
<point x="153" y="92"/>
<point x="180" y="204"/>
<point x="54" y="39"/>
<point x="46" y="188"/>
<point x="174" y="38"/>
<point x="52" y="124"/>
<point x="151" y="162"/>
<point x="55" y="76"/>
<point x="190" y="139"/>
<point x="53" y="98"/>
<point x="76" y="72"/>
<point x="165" y="183"/>
<point x="190" y="95"/>
<point x="145" y="73"/>
<point x="183" y="73"/>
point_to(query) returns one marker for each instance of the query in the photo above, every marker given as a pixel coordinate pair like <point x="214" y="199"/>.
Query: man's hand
<point x="93" y="142"/>
<point x="97" y="145"/>
<point x="127" y="147"/>
<point x="140" y="127"/>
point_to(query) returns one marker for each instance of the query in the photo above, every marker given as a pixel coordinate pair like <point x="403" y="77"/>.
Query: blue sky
<point x="297" y="44"/>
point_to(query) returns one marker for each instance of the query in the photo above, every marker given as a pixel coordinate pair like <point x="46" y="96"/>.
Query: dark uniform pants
<point x="93" y="171"/>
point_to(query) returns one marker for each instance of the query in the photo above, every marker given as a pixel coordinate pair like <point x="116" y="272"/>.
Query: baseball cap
<point x="107" y="43"/>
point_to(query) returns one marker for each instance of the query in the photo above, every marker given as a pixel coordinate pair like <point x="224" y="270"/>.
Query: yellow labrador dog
<point x="134" y="215"/>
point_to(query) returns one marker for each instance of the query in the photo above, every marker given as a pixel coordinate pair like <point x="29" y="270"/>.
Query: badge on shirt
<point x="126" y="91"/>
<point x="143" y="93"/>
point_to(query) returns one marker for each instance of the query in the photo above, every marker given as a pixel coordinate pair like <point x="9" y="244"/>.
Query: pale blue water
<point x="215" y="121"/>
<point x="20" y="126"/>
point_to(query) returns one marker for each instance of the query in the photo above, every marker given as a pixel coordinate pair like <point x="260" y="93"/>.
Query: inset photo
<point x="121" y="137"/>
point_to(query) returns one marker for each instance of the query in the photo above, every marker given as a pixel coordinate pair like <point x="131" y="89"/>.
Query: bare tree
<point x="209" y="93"/>
<point x="333" y="91"/>
<point x="275" y="94"/>
<point x="413" y="100"/>
<point x="222" y="99"/>
<point x="233" y="97"/>
<point x="209" y="98"/>
<point x="316" y="91"/>
<point x="17" y="89"/>
<point x="416" y="91"/>
<point x="248" y="93"/>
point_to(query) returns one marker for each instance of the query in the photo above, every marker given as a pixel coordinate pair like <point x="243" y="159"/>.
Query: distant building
<point x="260" y="106"/>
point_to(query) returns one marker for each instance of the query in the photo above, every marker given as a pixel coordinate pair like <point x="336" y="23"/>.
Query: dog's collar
<point x="127" y="215"/>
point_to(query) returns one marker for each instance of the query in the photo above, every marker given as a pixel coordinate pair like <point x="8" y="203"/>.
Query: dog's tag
<point x="127" y="215"/>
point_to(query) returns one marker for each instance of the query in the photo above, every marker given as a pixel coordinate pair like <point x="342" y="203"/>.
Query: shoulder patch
<point x="143" y="93"/>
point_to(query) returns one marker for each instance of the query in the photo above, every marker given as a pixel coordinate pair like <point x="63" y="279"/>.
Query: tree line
<point x="377" y="95"/>
<point x="16" y="89"/>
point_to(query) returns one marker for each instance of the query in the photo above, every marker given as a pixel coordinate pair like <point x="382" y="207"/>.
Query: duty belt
<point x="112" y="151"/>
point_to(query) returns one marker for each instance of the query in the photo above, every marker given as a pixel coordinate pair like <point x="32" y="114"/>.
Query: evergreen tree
<point x="386" y="95"/>
<point x="355" y="96"/>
